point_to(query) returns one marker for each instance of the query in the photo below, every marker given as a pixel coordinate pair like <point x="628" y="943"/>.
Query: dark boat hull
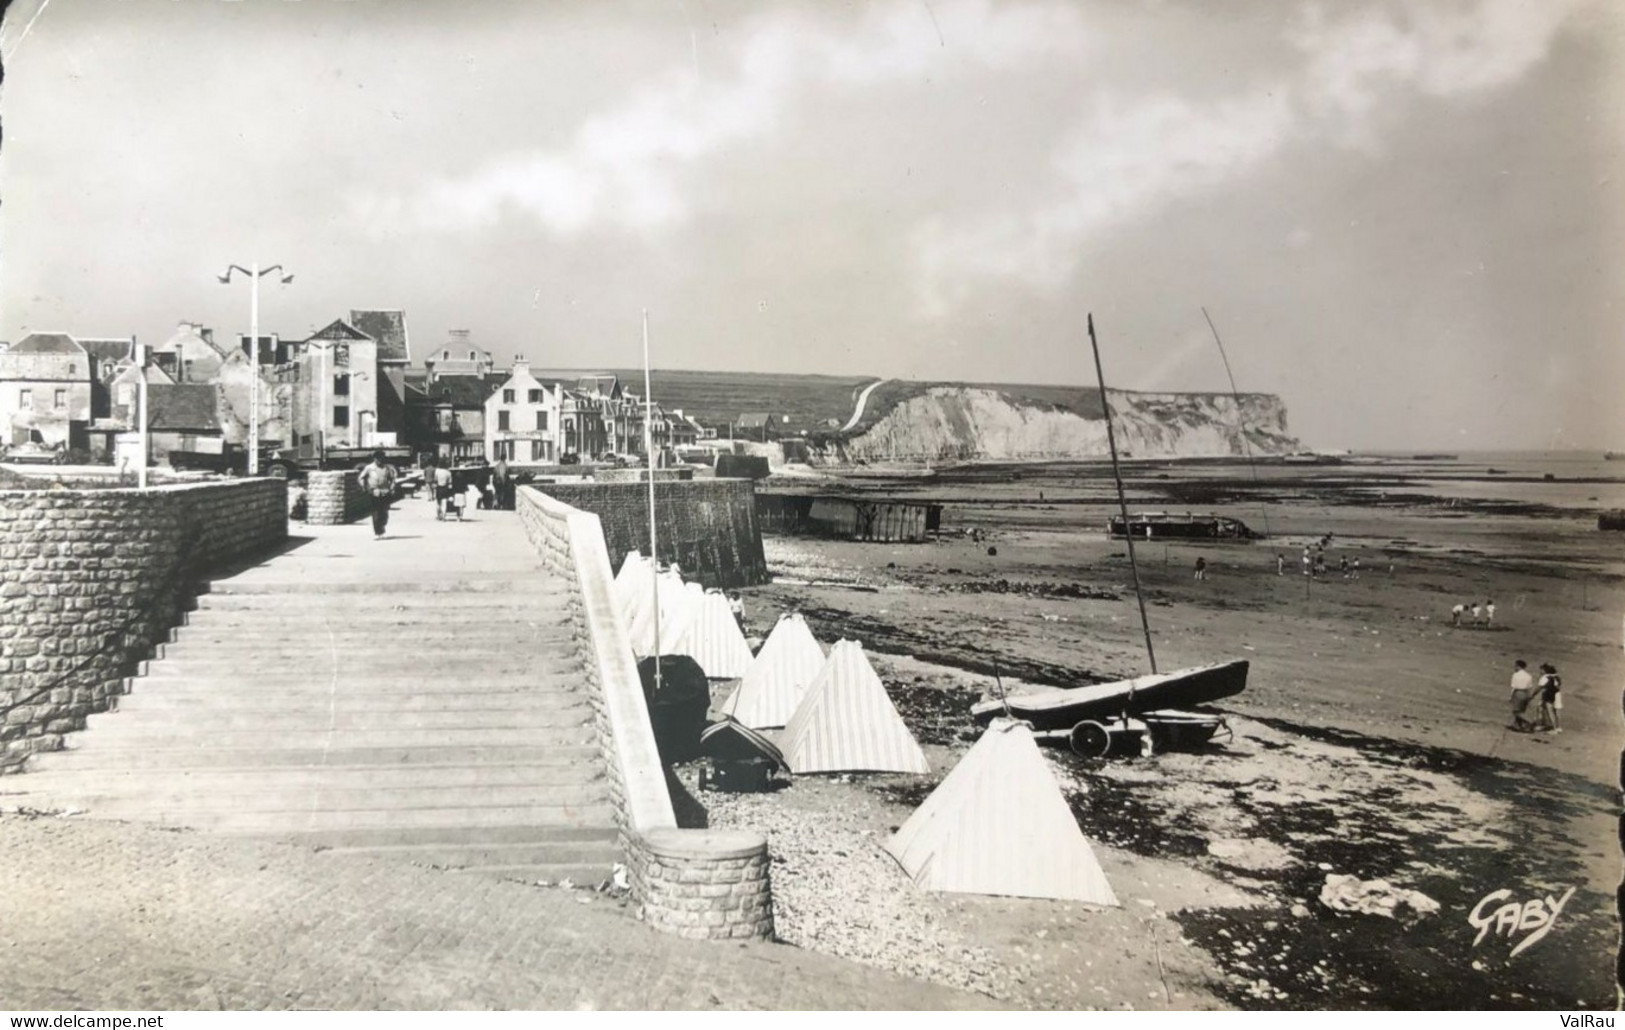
<point x="1063" y="709"/>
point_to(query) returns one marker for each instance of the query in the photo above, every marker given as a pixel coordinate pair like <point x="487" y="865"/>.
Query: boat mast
<point x="1122" y="501"/>
<point x="1241" y="424"/>
<point x="649" y="453"/>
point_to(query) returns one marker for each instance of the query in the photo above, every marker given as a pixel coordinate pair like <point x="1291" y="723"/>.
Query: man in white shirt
<point x="1523" y="688"/>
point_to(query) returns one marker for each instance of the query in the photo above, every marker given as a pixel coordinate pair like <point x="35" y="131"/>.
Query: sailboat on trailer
<point x="1092" y="717"/>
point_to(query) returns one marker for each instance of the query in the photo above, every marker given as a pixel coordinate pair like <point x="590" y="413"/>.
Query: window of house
<point x="536" y="396"/>
<point x="341" y="386"/>
<point x="25" y="398"/>
<point x="502" y="421"/>
<point x="61" y="399"/>
<point x="507" y="396"/>
<point x="341" y="415"/>
<point x="541" y="421"/>
<point x="538" y="450"/>
<point x="471" y="356"/>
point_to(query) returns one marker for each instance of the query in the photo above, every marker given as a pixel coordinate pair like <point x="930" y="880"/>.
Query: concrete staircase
<point x="441" y="721"/>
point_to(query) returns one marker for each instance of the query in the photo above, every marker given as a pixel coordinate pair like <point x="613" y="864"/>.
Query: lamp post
<point x="254" y="272"/>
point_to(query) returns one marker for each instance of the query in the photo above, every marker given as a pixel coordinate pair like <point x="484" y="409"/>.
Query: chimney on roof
<point x="520" y="365"/>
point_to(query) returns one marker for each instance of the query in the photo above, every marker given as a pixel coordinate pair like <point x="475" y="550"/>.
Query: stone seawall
<point x="708" y="526"/>
<point x="701" y="884"/>
<point x="90" y="580"/>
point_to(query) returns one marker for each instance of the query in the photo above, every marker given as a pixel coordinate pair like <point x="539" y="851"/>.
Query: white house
<point x="522" y="419"/>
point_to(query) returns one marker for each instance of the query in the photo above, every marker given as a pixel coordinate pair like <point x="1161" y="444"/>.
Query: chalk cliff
<point x="953" y="422"/>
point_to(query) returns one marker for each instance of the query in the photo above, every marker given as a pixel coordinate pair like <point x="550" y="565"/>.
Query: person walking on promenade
<point x="1478" y="615"/>
<point x="1354" y="567"/>
<point x="501" y="486"/>
<point x="1489" y="612"/>
<point x="1550" y="685"/>
<point x="1343" y="566"/>
<point x="378" y="480"/>
<point x="1456" y="613"/>
<point x="1523" y="688"/>
<point x="1201" y="569"/>
<point x="442" y="492"/>
<point x="1306" y="565"/>
<point x="1280" y="564"/>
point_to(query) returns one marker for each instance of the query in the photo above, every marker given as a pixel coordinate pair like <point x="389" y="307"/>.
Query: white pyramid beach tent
<point x="998" y="824"/>
<point x="640" y="623"/>
<point x="775" y="683"/>
<point x="846" y="723"/>
<point x="712" y="638"/>
<point x="632" y="583"/>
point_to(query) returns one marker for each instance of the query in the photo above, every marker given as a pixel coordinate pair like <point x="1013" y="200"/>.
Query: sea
<point x="1565" y="479"/>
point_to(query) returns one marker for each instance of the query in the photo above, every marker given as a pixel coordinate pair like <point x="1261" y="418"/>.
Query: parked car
<point x="34" y="454"/>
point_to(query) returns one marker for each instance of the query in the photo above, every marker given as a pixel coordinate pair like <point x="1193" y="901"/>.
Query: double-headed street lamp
<point x="254" y="272"/>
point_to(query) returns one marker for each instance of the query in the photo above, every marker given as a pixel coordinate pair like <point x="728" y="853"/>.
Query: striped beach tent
<point x="632" y="582"/>
<point x="712" y="638"/>
<point x="846" y="723"/>
<point x="640" y="624"/>
<point x="777" y="680"/>
<point x="998" y="824"/>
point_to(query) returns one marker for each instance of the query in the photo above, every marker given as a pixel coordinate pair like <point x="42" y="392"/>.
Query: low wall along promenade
<point x="90" y="580"/>
<point x="701" y="884"/>
<point x="708" y="526"/>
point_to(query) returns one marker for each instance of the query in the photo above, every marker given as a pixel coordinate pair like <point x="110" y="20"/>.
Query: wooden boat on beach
<point x="1065" y="708"/>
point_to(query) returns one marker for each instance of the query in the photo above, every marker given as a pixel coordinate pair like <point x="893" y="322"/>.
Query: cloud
<point x="626" y="167"/>
<point x="1126" y="157"/>
<point x="1121" y="159"/>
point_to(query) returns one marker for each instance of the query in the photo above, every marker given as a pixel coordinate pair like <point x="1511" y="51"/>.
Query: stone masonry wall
<point x="701" y="884"/>
<point x="708" y="526"/>
<point x="90" y="580"/>
<point x="334" y="498"/>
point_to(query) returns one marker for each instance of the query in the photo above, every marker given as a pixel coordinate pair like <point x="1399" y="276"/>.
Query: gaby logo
<point x="1534" y="917"/>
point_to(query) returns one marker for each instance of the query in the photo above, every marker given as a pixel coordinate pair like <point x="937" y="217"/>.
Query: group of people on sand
<point x="1483" y="615"/>
<point x="1314" y="561"/>
<point x="1526" y="688"/>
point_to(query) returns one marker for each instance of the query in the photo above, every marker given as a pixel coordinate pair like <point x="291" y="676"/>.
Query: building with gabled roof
<point x="522" y="419"/>
<point x="190" y="355"/>
<point x="388" y="328"/>
<point x="45" y="391"/>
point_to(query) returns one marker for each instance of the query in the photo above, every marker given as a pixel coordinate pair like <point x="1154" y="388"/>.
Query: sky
<point x="1405" y="219"/>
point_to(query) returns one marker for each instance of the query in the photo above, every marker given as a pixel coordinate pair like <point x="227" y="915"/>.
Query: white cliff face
<point x="950" y="422"/>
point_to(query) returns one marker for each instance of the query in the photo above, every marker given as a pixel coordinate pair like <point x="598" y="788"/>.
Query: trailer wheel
<point x="1090" y="740"/>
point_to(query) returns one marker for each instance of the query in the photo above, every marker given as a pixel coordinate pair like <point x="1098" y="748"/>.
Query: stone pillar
<point x="705" y="884"/>
<point x="333" y="498"/>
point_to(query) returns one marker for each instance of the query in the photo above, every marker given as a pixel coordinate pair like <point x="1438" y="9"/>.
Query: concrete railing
<point x="695" y="883"/>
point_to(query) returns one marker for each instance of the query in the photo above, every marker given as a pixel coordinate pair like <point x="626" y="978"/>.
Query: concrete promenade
<point x="101" y="914"/>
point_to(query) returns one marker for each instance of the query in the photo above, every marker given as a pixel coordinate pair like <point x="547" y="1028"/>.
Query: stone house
<point x="190" y="355"/>
<point x="45" y="391"/>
